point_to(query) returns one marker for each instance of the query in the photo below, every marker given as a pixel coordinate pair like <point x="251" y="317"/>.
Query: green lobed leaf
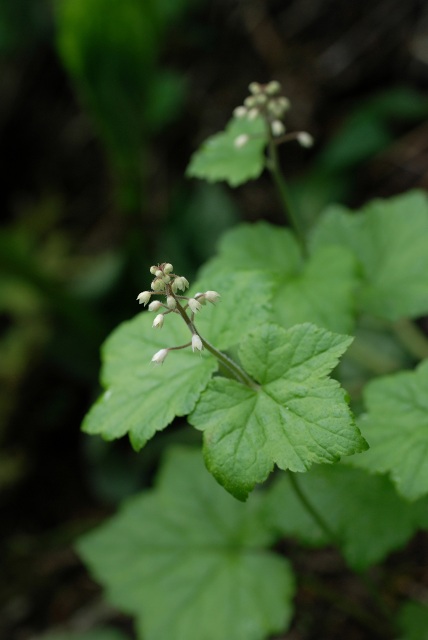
<point x="320" y="290"/>
<point x="295" y="418"/>
<point x="219" y="159"/>
<point x="396" y="428"/>
<point x="360" y="508"/>
<point x="413" y="620"/>
<point x="142" y="398"/>
<point x="190" y="561"/>
<point x="389" y="238"/>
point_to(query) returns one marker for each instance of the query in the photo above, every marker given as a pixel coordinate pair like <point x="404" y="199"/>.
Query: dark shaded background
<point x="93" y="192"/>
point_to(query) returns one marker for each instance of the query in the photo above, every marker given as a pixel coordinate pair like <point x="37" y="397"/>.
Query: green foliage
<point x="135" y="399"/>
<point x="219" y="158"/>
<point x="389" y="239"/>
<point x="196" y="560"/>
<point x="395" y="426"/>
<point x="359" y="507"/>
<point x="187" y="548"/>
<point x="413" y="620"/>
<point x="111" y="50"/>
<point x="297" y="416"/>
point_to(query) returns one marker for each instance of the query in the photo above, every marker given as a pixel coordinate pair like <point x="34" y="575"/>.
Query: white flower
<point x="240" y="112"/>
<point x="212" y="296"/>
<point x="253" y="113"/>
<point x="155" y="305"/>
<point x="241" y="141"/>
<point x="194" y="305"/>
<point x="167" y="267"/>
<point x="273" y="87"/>
<point x="171" y="302"/>
<point x="196" y="343"/>
<point x="180" y="283"/>
<point x="160" y="356"/>
<point x="277" y="128"/>
<point x="305" y="139"/>
<point x="255" y="88"/>
<point x="144" y="297"/>
<point x="200" y="297"/>
<point x="158" y="321"/>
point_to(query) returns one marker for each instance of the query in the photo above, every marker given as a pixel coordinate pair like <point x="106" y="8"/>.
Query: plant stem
<point x="284" y="193"/>
<point x="311" y="509"/>
<point x="237" y="372"/>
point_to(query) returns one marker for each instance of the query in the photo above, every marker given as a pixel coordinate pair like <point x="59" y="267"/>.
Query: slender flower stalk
<point x="167" y="283"/>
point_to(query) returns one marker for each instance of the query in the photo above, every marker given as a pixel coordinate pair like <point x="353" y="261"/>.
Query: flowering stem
<point x="283" y="191"/>
<point x="227" y="362"/>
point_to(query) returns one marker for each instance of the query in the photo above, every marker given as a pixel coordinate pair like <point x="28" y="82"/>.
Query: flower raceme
<point x="166" y="283"/>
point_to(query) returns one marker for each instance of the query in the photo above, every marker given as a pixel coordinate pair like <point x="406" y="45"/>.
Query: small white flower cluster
<point x="168" y="284"/>
<point x="264" y="101"/>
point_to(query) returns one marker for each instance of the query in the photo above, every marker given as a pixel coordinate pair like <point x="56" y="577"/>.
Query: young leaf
<point x="359" y="507"/>
<point x="221" y="158"/>
<point x="396" y="427"/>
<point x="190" y="561"/>
<point x="142" y="398"/>
<point x="295" y="416"/>
<point x="389" y="238"/>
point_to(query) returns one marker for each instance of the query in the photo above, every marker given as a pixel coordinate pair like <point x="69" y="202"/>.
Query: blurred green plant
<point x="112" y="50"/>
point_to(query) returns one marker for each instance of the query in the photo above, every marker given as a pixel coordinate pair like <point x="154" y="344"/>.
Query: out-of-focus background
<point x="102" y="103"/>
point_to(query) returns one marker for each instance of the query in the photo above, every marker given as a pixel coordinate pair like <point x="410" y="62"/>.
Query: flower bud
<point x="196" y="343"/>
<point x="166" y="279"/>
<point x="241" y="141"/>
<point x="158" y="321"/>
<point x="273" y="87"/>
<point x="144" y="297"/>
<point x="255" y="88"/>
<point x="212" y="296"/>
<point x="155" y="305"/>
<point x="200" y="297"/>
<point x="158" y="285"/>
<point x="153" y="269"/>
<point x="160" y="356"/>
<point x="277" y="128"/>
<point x="159" y="273"/>
<point x="250" y="102"/>
<point x="171" y="302"/>
<point x="305" y="139"/>
<point x="252" y="114"/>
<point x="194" y="305"/>
<point x="167" y="267"/>
<point x="240" y="112"/>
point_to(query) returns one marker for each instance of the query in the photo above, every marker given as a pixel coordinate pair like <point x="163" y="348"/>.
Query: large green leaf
<point x="320" y="290"/>
<point x="389" y="238"/>
<point x="190" y="561"/>
<point x="396" y="428"/>
<point x="296" y="415"/>
<point x="219" y="158"/>
<point x="142" y="398"/>
<point x="360" y="508"/>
